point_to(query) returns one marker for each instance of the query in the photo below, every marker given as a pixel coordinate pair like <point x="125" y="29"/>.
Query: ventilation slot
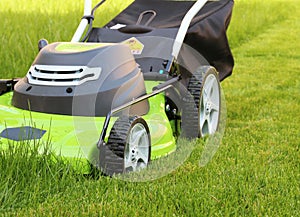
<point x="62" y="75"/>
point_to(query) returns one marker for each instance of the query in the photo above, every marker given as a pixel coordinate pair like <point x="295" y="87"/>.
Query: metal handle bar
<point x="185" y="25"/>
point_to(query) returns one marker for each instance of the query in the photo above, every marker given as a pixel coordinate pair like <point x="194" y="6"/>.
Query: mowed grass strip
<point x="254" y="173"/>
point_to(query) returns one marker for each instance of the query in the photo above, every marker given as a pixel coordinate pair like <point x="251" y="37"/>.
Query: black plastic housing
<point x="120" y="81"/>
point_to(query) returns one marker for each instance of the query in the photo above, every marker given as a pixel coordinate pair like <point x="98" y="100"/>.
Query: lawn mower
<point x="120" y="96"/>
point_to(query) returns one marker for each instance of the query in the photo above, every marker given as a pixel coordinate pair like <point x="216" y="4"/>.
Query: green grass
<point x="255" y="171"/>
<point x="23" y="24"/>
<point x="28" y="176"/>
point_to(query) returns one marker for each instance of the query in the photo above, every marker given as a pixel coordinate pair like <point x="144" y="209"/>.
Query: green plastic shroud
<point x="75" y="138"/>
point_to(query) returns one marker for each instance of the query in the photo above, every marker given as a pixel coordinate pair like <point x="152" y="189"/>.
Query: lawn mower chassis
<point x="8" y="85"/>
<point x="64" y="124"/>
<point x="165" y="148"/>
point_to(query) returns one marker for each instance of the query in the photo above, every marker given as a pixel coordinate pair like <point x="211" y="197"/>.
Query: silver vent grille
<point x="61" y="75"/>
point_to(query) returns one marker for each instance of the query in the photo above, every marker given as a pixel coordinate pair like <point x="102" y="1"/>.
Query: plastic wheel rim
<point x="136" y="155"/>
<point x="209" y="106"/>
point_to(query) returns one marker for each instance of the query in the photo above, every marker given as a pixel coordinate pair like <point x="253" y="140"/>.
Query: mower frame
<point x="167" y="81"/>
<point x="175" y="51"/>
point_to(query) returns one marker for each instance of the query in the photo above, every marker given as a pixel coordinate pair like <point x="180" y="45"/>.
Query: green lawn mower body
<point x="120" y="99"/>
<point x="52" y="110"/>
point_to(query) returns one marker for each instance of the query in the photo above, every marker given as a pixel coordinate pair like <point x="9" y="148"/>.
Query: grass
<point x="255" y="171"/>
<point x="26" y="23"/>
<point x="29" y="176"/>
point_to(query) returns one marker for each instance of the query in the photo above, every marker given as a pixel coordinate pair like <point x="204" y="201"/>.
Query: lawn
<point x="255" y="172"/>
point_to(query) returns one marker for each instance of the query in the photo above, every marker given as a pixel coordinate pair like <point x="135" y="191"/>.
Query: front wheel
<point x="128" y="147"/>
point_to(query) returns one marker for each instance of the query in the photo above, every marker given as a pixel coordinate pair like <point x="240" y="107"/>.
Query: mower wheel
<point x="128" y="147"/>
<point x="201" y="113"/>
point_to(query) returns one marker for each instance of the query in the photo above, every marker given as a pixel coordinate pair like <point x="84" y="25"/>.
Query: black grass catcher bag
<point x="206" y="33"/>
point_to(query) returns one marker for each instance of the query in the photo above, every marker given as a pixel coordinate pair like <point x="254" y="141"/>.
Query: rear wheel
<point x="210" y="104"/>
<point x="201" y="113"/>
<point x="128" y="147"/>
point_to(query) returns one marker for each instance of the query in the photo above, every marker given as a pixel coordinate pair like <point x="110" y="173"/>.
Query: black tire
<point x="193" y="106"/>
<point x="113" y="161"/>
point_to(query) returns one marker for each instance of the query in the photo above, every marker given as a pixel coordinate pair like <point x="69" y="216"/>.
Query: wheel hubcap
<point x="209" y="106"/>
<point x="137" y="148"/>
